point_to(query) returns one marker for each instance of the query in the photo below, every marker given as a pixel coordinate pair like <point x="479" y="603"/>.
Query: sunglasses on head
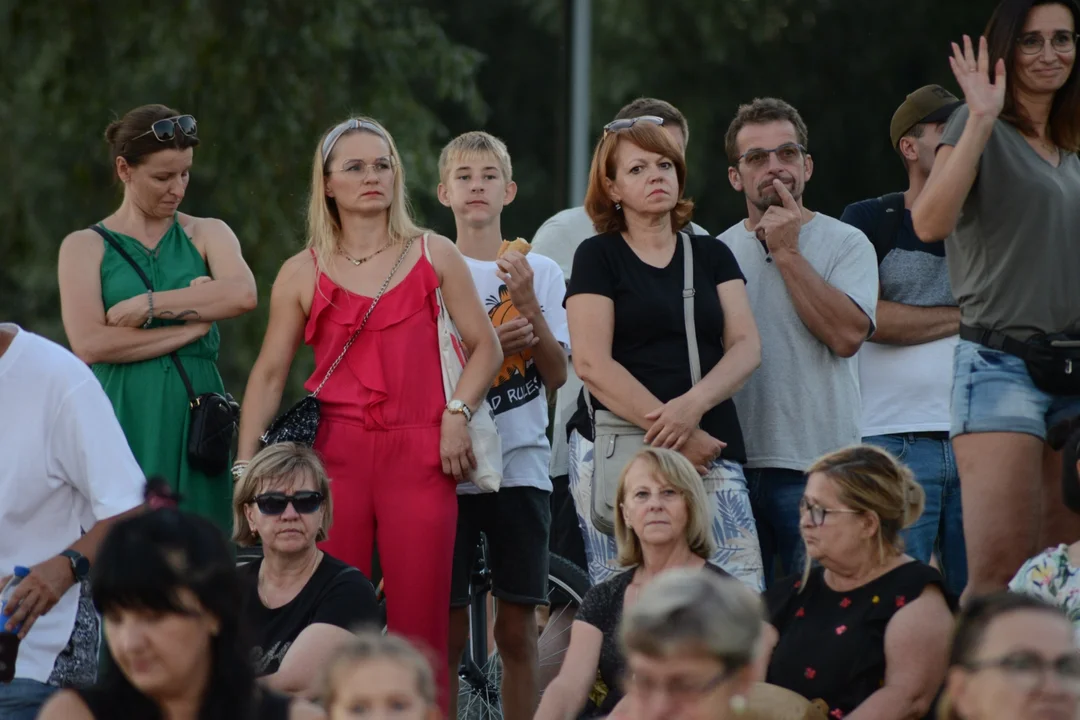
<point x="165" y="130"/>
<point x="617" y="125"/>
<point x="351" y="124"/>
<point x="304" y="502"/>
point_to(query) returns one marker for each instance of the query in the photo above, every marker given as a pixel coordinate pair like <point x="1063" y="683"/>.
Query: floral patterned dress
<point x="1051" y="577"/>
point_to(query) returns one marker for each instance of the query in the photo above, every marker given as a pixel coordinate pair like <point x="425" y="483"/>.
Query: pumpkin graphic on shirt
<point x="518" y="380"/>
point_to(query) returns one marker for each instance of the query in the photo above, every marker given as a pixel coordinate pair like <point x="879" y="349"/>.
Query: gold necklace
<point x="361" y="261"/>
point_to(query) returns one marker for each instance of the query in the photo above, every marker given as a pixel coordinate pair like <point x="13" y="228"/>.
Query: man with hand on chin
<point x="813" y="287"/>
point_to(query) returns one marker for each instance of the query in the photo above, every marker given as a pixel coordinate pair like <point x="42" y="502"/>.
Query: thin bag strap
<point x="193" y="399"/>
<point x="688" y="317"/>
<point x="367" y="315"/>
<point x="688" y="308"/>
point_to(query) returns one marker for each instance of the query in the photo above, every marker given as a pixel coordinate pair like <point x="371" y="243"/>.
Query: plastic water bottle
<point x="9" y="640"/>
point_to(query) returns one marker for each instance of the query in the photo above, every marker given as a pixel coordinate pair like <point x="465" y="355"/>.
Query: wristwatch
<point x="457" y="407"/>
<point x="80" y="566"/>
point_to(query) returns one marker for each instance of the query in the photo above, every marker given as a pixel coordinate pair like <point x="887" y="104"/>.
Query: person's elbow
<point x="586" y="367"/>
<point x="845" y="343"/>
<point x="928" y="228"/>
<point x="86" y="346"/>
<point x="245" y="295"/>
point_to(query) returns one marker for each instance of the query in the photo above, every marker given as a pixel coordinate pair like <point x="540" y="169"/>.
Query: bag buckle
<point x="194" y="403"/>
<point x="1068" y="367"/>
<point x="688" y="292"/>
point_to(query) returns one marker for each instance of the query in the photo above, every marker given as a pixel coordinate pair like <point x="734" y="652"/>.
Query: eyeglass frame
<point x="174" y="121"/>
<point x="341" y="128"/>
<point x="694" y="693"/>
<point x="812" y="510"/>
<point x="365" y="165"/>
<point x="1001" y="663"/>
<point x="1043" y="40"/>
<point x="626" y="123"/>
<point x="798" y="146"/>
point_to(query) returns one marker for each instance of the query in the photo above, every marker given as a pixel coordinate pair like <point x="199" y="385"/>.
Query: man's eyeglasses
<point x="818" y="513"/>
<point x="1029" y="670"/>
<point x="165" y="130"/>
<point x="304" y="502"/>
<point x="788" y="153"/>
<point x="626" y="123"/>
<point x="1033" y="43"/>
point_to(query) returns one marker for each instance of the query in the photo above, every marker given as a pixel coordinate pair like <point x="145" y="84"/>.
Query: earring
<point x="618" y="207"/>
<point x="738" y="704"/>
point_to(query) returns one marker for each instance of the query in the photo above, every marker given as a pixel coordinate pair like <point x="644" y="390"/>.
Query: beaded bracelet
<point x="238" y="469"/>
<point x="150" y="309"/>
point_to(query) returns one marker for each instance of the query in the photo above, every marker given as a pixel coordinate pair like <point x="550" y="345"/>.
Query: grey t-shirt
<point x="558" y="238"/>
<point x="1014" y="257"/>
<point x="804" y="400"/>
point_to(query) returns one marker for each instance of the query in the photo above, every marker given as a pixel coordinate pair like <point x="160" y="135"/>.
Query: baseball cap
<point x="928" y="104"/>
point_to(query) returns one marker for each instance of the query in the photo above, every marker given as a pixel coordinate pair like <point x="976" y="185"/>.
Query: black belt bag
<point x="1053" y="361"/>
<point x="214" y="417"/>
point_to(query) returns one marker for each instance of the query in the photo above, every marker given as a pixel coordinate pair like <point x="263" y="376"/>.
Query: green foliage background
<point x="266" y="77"/>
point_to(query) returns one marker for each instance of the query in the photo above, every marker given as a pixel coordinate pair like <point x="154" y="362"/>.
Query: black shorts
<point x="516" y="521"/>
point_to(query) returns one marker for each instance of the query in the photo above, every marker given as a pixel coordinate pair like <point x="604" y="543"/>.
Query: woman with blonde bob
<point x="300" y="602"/>
<point x="393" y="444"/>
<point x="662" y="521"/>
<point x="632" y="341"/>
<point x="864" y="631"/>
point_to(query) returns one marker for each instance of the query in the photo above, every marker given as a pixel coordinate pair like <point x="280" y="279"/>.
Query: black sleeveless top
<point x="832" y="644"/>
<point x="267" y="706"/>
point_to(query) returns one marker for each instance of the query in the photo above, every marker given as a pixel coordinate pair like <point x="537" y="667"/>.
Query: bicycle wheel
<point x="478" y="699"/>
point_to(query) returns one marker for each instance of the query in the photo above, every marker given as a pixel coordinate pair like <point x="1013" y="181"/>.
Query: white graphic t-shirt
<point x="518" y="397"/>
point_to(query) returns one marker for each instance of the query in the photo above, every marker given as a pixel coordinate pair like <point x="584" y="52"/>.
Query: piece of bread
<point x="518" y="245"/>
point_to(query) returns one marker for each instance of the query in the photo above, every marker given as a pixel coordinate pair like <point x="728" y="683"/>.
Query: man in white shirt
<point x="813" y="287"/>
<point x="524" y="301"/>
<point x="67" y="476"/>
<point x="558" y="238"/>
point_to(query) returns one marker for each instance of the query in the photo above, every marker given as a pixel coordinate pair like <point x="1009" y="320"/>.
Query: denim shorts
<point x="993" y="392"/>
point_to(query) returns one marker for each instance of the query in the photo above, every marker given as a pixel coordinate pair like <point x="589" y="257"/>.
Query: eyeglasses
<point x="626" y="123"/>
<point x="1028" y="670"/>
<point x="382" y="167"/>
<point x="817" y="513"/>
<point x="304" y="502"/>
<point x="165" y="130"/>
<point x="351" y="124"/>
<point x="1033" y="43"/>
<point x="681" y="690"/>
<point x="788" y="153"/>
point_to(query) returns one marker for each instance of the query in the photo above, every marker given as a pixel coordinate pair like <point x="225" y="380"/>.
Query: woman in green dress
<point x="125" y="332"/>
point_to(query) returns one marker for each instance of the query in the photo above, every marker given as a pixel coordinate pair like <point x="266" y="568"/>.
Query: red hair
<point x="650" y="138"/>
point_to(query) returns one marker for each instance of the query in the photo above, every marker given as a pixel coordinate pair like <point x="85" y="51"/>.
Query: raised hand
<point x="780" y="225"/>
<point x="985" y="98"/>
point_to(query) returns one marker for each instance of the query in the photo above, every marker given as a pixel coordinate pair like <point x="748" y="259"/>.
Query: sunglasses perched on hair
<point x="617" y="125"/>
<point x="351" y="124"/>
<point x="304" y="502"/>
<point x="165" y="130"/>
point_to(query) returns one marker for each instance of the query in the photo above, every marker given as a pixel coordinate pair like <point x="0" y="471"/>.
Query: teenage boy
<point x="524" y="301"/>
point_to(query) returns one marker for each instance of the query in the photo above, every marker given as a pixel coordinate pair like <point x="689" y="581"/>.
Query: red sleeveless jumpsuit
<point x="379" y="439"/>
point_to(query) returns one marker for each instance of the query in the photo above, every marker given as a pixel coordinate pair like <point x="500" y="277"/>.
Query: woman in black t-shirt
<point x="301" y="603"/>
<point x="629" y="343"/>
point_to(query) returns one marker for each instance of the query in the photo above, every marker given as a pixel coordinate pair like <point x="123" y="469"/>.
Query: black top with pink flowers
<point x="832" y="644"/>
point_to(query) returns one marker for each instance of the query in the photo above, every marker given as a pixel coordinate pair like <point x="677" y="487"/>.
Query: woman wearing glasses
<point x="301" y="602"/>
<point x="863" y="631"/>
<point x="127" y="332"/>
<point x="631" y="344"/>
<point x="1013" y="657"/>
<point x="1004" y="194"/>
<point x="393" y="444"/>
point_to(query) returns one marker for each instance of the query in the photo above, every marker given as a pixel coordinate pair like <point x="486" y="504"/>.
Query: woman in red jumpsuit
<point x="393" y="446"/>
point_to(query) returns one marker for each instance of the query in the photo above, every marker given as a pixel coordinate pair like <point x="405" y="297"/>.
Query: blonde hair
<point x="324" y="220"/>
<point x="684" y="610"/>
<point x="678" y="472"/>
<point x="472" y="144"/>
<point x="277" y="465"/>
<point x="872" y="481"/>
<point x="371" y="645"/>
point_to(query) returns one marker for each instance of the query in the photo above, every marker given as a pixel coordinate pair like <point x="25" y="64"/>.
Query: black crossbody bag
<point x="214" y="417"/>
<point x="1053" y="361"/>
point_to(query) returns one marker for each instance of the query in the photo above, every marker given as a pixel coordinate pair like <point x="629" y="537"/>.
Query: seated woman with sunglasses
<point x="301" y="603"/>
<point x="127" y="332"/>
<point x="865" y="631"/>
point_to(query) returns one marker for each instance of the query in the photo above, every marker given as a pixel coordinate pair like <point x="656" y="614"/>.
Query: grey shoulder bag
<point x="616" y="440"/>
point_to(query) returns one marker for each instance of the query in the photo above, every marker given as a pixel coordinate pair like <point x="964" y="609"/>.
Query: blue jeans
<point x="941" y="525"/>
<point x="774" y="496"/>
<point x="23" y="698"/>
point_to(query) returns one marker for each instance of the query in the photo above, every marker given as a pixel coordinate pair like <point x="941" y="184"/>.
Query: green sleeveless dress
<point x="149" y="397"/>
